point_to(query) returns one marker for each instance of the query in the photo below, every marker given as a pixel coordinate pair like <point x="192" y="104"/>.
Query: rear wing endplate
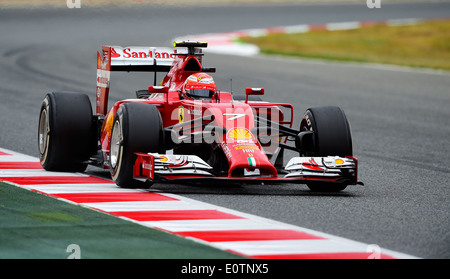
<point x="128" y="59"/>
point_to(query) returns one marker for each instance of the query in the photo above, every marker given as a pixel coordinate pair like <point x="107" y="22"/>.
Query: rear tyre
<point x="332" y="137"/>
<point x="137" y="128"/>
<point x="66" y="132"/>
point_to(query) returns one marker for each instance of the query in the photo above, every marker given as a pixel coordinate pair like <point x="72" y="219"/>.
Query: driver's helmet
<point x="199" y="85"/>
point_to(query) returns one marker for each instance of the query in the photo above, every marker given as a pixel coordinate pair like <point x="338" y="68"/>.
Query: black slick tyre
<point x="332" y="137"/>
<point x="66" y="132"/>
<point x="137" y="128"/>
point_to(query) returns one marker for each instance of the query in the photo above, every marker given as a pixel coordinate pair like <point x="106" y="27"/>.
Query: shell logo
<point x="163" y="159"/>
<point x="240" y="134"/>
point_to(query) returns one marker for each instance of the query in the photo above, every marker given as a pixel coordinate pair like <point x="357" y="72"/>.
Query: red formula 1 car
<point x="187" y="131"/>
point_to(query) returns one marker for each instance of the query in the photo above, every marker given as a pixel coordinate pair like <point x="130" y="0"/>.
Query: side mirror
<point x="253" y="91"/>
<point x="158" y="89"/>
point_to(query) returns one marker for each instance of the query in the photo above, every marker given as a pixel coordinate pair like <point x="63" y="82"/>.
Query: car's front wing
<point x="153" y="167"/>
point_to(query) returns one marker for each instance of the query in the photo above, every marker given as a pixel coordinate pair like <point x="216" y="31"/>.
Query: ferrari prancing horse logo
<point x="180" y="114"/>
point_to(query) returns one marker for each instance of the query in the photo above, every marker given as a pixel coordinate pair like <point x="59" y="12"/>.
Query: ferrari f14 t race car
<point x="185" y="130"/>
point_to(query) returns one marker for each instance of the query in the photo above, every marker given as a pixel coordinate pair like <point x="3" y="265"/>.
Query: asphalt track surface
<point x="399" y="116"/>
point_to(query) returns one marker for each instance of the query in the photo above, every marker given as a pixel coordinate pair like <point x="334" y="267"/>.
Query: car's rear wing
<point x="142" y="59"/>
<point x="128" y="59"/>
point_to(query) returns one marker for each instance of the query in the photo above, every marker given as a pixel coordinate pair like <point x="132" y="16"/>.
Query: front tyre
<point x="137" y="128"/>
<point x="332" y="137"/>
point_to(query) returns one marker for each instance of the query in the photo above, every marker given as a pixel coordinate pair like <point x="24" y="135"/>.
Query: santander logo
<point x="312" y="165"/>
<point x="114" y="54"/>
<point x="142" y="53"/>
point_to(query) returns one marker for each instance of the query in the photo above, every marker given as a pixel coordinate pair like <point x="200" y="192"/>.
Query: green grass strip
<point x="35" y="226"/>
<point x="425" y="44"/>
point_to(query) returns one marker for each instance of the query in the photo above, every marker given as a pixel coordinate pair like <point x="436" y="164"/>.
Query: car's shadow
<point x="260" y="190"/>
<point x="227" y="188"/>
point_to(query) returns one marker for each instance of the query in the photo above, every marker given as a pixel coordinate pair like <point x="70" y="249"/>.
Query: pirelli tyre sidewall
<point x="332" y="137"/>
<point x="137" y="127"/>
<point x="66" y="131"/>
<point x="332" y="132"/>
